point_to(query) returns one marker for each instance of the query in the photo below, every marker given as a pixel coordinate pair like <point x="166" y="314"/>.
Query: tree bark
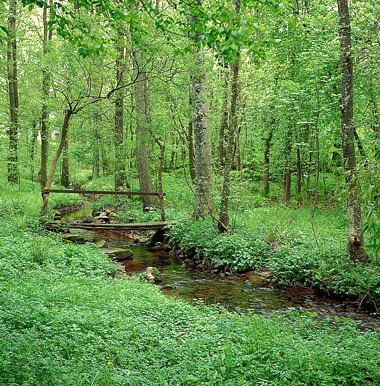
<point x="53" y="167"/>
<point x="230" y="150"/>
<point x="65" y="172"/>
<point x="203" y="205"/>
<point x="355" y="235"/>
<point x="190" y="139"/>
<point x="47" y="36"/>
<point x="142" y="134"/>
<point x="95" y="154"/>
<point x="299" y="173"/>
<point x="33" y="149"/>
<point x="229" y="155"/>
<point x="13" y="172"/>
<point x="223" y="124"/>
<point x="361" y="149"/>
<point x="266" y="163"/>
<point x="119" y="169"/>
<point x="287" y="165"/>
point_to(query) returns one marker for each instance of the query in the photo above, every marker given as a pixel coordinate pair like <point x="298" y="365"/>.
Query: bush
<point x="328" y="268"/>
<point x="297" y="261"/>
<point x="61" y="200"/>
<point x="28" y="249"/>
<point x="237" y="252"/>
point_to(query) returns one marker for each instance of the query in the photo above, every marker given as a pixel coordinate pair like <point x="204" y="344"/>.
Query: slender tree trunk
<point x="266" y="163"/>
<point x="160" y="187"/>
<point x="104" y="159"/>
<point x="355" y="236"/>
<point x="190" y="138"/>
<point x="299" y="173"/>
<point x="288" y="166"/>
<point x="203" y="205"/>
<point x="53" y="167"/>
<point x="223" y="124"/>
<point x="172" y="162"/>
<point x="237" y="153"/>
<point x="119" y="113"/>
<point x="13" y="172"/>
<point x="317" y="150"/>
<point x="95" y="153"/>
<point x="142" y="134"/>
<point x="238" y="156"/>
<point x="65" y="172"/>
<point x="361" y="149"/>
<point x="229" y="155"/>
<point x="33" y="148"/>
<point x="47" y="36"/>
<point x="202" y="160"/>
<point x="230" y="151"/>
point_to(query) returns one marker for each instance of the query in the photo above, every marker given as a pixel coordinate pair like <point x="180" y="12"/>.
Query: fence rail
<point x="101" y="192"/>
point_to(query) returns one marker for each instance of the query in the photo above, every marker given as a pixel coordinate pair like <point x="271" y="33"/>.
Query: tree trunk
<point x="65" y="172"/>
<point x="13" y="172"/>
<point x="299" y="173"/>
<point x="288" y="166"/>
<point x="47" y="36"/>
<point x="229" y="155"/>
<point x="119" y="169"/>
<point x="190" y="139"/>
<point x="33" y="149"/>
<point x="53" y="167"/>
<point x="104" y="157"/>
<point x="142" y="134"/>
<point x="266" y="164"/>
<point x="203" y="205"/>
<point x="237" y="153"/>
<point x="361" y="149"/>
<point x="355" y="236"/>
<point x="95" y="154"/>
<point x="223" y="124"/>
<point x="230" y="150"/>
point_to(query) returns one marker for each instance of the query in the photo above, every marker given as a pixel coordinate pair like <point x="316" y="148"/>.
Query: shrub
<point x="237" y="252"/>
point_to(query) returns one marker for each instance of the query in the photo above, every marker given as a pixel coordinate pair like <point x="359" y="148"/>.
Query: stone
<point x="152" y="275"/>
<point x="119" y="253"/>
<point x="168" y="287"/>
<point x="73" y="238"/>
<point x="86" y="235"/>
<point x="101" y="243"/>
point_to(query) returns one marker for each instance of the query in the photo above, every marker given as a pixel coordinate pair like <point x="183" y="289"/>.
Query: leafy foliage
<point x="63" y="320"/>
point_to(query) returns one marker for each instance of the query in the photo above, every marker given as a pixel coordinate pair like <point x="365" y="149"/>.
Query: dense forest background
<point x="260" y="121"/>
<point x="245" y="97"/>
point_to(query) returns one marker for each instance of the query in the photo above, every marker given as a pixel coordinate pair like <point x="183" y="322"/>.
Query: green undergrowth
<point x="25" y="247"/>
<point x="297" y="245"/>
<point x="97" y="331"/>
<point x="290" y="260"/>
<point x="65" y="320"/>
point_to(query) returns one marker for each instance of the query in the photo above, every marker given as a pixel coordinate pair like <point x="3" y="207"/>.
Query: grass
<point x="64" y="320"/>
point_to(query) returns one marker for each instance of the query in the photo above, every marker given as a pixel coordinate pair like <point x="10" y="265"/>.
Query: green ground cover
<point x="65" y="320"/>
<point x="296" y="245"/>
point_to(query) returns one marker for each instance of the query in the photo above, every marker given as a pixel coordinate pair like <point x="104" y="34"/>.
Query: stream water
<point x="234" y="292"/>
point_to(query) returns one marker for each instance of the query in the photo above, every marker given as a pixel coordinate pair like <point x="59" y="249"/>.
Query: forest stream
<point x="234" y="292"/>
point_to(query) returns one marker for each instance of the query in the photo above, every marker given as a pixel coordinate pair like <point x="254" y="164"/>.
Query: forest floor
<point x="66" y="319"/>
<point x="300" y="244"/>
